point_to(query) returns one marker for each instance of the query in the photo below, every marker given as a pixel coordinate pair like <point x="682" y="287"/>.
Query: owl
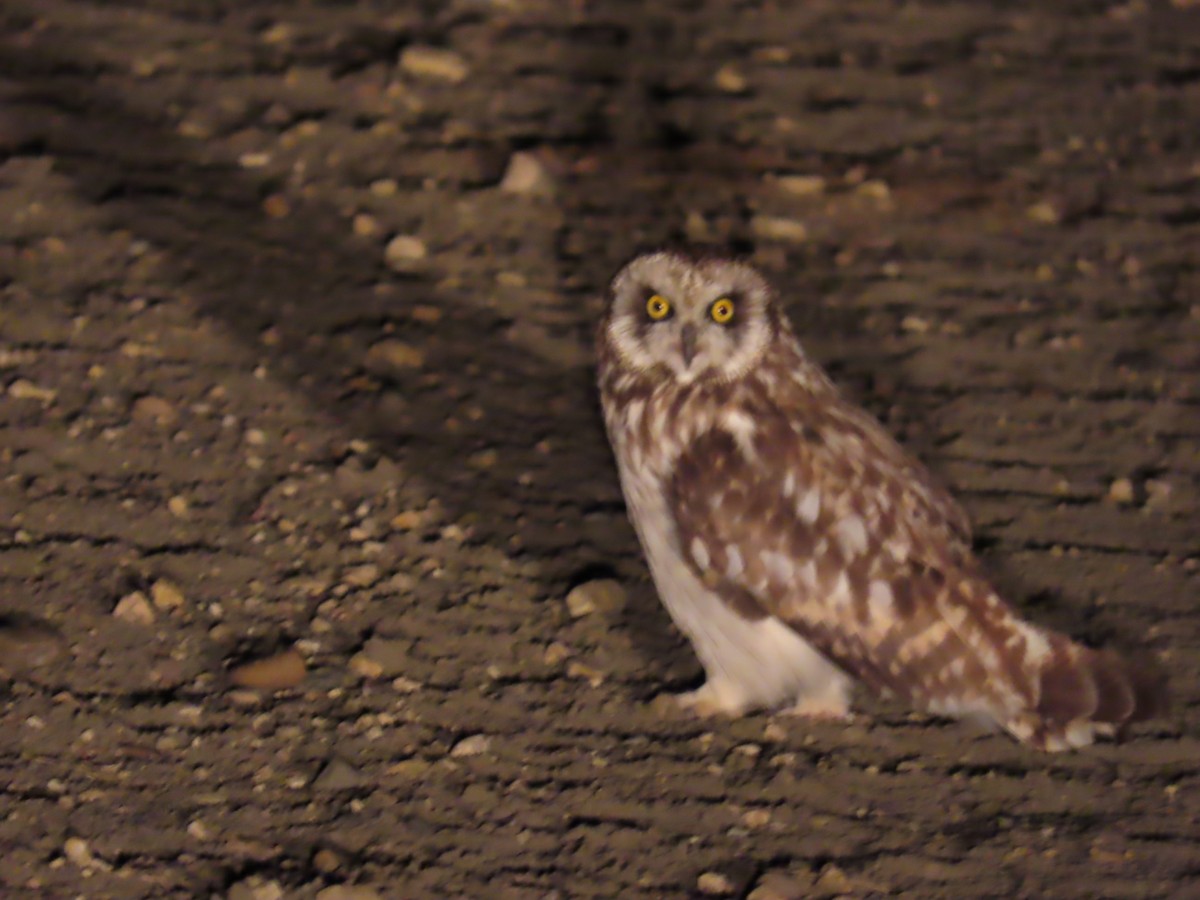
<point x="797" y="546"/>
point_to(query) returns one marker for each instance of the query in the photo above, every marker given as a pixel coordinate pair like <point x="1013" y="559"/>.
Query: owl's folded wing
<point x="857" y="558"/>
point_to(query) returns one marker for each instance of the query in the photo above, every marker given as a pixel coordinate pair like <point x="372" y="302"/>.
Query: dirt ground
<point x="295" y="365"/>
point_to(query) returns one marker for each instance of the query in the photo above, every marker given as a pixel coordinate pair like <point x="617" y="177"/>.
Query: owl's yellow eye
<point x="658" y="307"/>
<point x="722" y="311"/>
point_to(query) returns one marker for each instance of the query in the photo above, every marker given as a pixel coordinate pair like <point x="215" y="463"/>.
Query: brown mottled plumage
<point x="797" y="545"/>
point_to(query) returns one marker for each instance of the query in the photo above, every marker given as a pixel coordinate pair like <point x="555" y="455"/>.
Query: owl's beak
<point x="687" y="343"/>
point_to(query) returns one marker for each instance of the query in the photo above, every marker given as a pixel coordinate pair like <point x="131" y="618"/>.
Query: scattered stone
<point x="405" y="253"/>
<point x="801" y="185"/>
<point x="338" y="775"/>
<point x="391" y="358"/>
<point x="409" y="520"/>
<point x="777" y="228"/>
<point x="592" y="676"/>
<point x="527" y="174"/>
<point x="484" y="459"/>
<point x="327" y="861"/>
<point x="1122" y="491"/>
<point x="27" y="643"/>
<point x="781" y="886"/>
<point x="1044" y="213"/>
<point x="254" y="159"/>
<point x="471" y="746"/>
<point x="197" y="830"/>
<point x="915" y="325"/>
<point x="255" y="888"/>
<point x="22" y="389"/>
<point x="273" y="673"/>
<point x="730" y="80"/>
<point x="277" y="206"/>
<point x="426" y="315"/>
<point x="178" y="507"/>
<point x="166" y="595"/>
<point x="875" y="189"/>
<point x="556" y="653"/>
<point x="756" y="818"/>
<point x="603" y="594"/>
<point x="366" y="225"/>
<point x="135" y="608"/>
<point x="434" y="63"/>
<point x="382" y="657"/>
<point x="155" y="411"/>
<point x="834" y="881"/>
<point x="410" y="768"/>
<point x="1158" y="493"/>
<point x="714" y="884"/>
<point x="361" y="576"/>
<point x="384" y="187"/>
<point x="365" y="667"/>
<point x="78" y="852"/>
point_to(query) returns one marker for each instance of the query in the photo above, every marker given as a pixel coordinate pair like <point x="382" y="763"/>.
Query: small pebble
<point x="434" y="63"/>
<point x="256" y="888"/>
<point x="78" y="852"/>
<point x="714" y="884"/>
<point x="1043" y="213"/>
<point x="801" y="185"/>
<point x="756" y="818"/>
<point x="776" y="228"/>
<point x="592" y="676"/>
<point x="1122" y="491"/>
<point x="408" y="520"/>
<point x="361" y="576"/>
<point x="365" y="667"/>
<point x="527" y="174"/>
<point x="283" y="670"/>
<point x="135" y="608"/>
<point x="730" y="80"/>
<point x="405" y="253"/>
<point x="556" y="653"/>
<point x="27" y="643"/>
<point x="155" y="411"/>
<point x="21" y="389"/>
<point x="471" y="746"/>
<point x="338" y="775"/>
<point x="603" y="594"/>
<point x="392" y="358"/>
<point x="178" y="507"/>
<point x="383" y="657"/>
<point x="166" y="595"/>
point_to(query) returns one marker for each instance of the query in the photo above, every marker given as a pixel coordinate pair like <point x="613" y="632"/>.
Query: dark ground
<point x="208" y="455"/>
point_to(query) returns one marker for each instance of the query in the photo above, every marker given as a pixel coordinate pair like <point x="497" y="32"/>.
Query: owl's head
<point x="694" y="317"/>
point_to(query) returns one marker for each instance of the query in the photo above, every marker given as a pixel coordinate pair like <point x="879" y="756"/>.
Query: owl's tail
<point x="1083" y="693"/>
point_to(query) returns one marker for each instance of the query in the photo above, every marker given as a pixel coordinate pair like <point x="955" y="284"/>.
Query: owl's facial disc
<point x="696" y="319"/>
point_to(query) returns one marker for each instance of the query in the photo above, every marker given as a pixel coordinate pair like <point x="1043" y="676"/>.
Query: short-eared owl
<point x="797" y="545"/>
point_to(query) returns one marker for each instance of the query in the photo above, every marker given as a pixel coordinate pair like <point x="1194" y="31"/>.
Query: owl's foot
<point x="714" y="698"/>
<point x="830" y="705"/>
